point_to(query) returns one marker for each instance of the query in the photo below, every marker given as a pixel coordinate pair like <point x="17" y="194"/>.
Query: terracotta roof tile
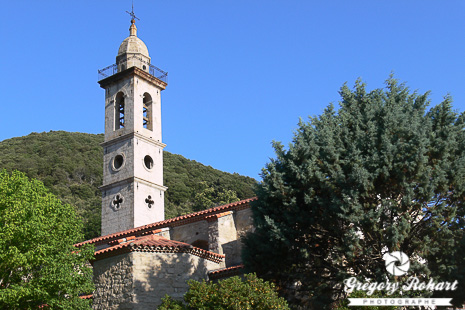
<point x="156" y="244"/>
<point x="215" y="217"/>
<point x="177" y="221"/>
<point x="226" y="272"/>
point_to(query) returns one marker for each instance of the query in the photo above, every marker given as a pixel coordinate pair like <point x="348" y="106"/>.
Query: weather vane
<point x="132" y="12"/>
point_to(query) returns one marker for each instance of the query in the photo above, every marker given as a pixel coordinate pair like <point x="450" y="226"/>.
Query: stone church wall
<point x="221" y="233"/>
<point x="138" y="280"/>
<point x="157" y="274"/>
<point x="190" y="233"/>
<point x="244" y="222"/>
<point x="114" y="282"/>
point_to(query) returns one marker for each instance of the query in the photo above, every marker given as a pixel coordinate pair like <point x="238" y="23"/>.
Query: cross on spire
<point x="132" y="12"/>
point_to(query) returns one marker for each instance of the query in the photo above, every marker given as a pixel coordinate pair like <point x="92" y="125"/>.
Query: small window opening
<point x="147" y="112"/>
<point x="118" y="161"/>
<point x="148" y="161"/>
<point x="117" y="202"/>
<point x="149" y="201"/>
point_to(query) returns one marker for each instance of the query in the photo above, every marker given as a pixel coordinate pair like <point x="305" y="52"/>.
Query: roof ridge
<point x="157" y="244"/>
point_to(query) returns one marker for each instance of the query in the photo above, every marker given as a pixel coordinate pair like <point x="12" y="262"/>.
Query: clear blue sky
<point x="241" y="72"/>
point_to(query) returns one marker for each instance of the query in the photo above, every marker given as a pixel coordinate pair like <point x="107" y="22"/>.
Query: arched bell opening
<point x="147" y="112"/>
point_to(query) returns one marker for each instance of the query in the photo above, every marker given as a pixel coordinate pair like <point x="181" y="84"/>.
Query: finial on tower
<point x="133" y="29"/>
<point x="134" y="17"/>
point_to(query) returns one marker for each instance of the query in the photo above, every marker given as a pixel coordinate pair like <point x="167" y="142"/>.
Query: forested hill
<point x="71" y="166"/>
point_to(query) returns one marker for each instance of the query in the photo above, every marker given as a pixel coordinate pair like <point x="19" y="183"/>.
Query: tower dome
<point x="133" y="52"/>
<point x="133" y="44"/>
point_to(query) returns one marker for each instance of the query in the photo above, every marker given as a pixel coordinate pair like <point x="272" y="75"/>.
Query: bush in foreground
<point x="232" y="293"/>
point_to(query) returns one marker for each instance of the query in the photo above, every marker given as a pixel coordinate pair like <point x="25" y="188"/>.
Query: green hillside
<point x="71" y="164"/>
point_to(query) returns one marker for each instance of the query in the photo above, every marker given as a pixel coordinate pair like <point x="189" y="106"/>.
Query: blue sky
<point x="241" y="73"/>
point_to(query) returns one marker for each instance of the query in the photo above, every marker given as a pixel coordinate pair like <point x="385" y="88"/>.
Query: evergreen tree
<point x="380" y="174"/>
<point x="39" y="266"/>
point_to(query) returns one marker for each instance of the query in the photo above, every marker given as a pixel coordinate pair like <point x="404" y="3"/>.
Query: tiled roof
<point x="177" y="221"/>
<point x="155" y="244"/>
<point x="226" y="272"/>
<point x="215" y="217"/>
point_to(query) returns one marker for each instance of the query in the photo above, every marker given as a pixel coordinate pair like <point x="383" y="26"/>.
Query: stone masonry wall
<point x="222" y="233"/>
<point x="157" y="274"/>
<point x="190" y="233"/>
<point x="114" y="283"/>
<point x="244" y="223"/>
<point x="138" y="280"/>
<point x="229" y="244"/>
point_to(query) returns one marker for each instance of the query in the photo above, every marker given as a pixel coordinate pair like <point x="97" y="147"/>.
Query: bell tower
<point x="132" y="190"/>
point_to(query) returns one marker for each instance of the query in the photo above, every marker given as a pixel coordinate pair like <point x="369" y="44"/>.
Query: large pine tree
<point x="381" y="173"/>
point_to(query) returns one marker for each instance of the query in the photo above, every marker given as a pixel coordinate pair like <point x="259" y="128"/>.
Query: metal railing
<point x="113" y="69"/>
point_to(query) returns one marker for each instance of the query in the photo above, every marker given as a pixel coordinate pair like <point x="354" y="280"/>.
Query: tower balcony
<point x="132" y="61"/>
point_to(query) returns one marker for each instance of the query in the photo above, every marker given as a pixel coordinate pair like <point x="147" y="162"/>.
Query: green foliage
<point x="231" y="293"/>
<point x="381" y="173"/>
<point x="168" y="303"/>
<point x="71" y="166"/>
<point x="208" y="197"/>
<point x="38" y="262"/>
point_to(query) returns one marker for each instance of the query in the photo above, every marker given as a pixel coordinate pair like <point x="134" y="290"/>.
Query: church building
<point x="140" y="256"/>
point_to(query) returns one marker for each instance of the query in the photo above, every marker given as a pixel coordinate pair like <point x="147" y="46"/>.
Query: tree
<point x="208" y="197"/>
<point x="380" y="174"/>
<point x="228" y="294"/>
<point x="38" y="263"/>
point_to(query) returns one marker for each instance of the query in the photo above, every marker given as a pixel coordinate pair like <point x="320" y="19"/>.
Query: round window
<point x="118" y="161"/>
<point x="144" y="67"/>
<point x="148" y="162"/>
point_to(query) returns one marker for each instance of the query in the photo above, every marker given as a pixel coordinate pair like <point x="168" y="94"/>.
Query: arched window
<point x="119" y="111"/>
<point x="147" y="111"/>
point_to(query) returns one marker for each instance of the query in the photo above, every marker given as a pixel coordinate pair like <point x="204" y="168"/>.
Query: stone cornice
<point x="146" y="182"/>
<point x="132" y="180"/>
<point x="117" y="183"/>
<point x="130" y="136"/>
<point x="150" y="78"/>
<point x="133" y="71"/>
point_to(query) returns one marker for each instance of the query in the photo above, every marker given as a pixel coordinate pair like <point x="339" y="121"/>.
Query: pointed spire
<point x="133" y="28"/>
